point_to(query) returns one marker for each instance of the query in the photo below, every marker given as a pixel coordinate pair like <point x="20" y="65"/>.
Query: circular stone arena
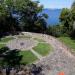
<point x="21" y="44"/>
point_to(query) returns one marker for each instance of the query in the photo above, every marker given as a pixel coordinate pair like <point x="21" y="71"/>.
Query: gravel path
<point x="21" y="44"/>
<point x="60" y="60"/>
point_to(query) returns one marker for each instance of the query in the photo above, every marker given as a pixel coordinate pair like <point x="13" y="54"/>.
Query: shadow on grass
<point x="10" y="57"/>
<point x="11" y="61"/>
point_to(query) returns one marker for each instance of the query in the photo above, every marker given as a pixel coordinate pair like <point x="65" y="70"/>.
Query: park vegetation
<point x="65" y="30"/>
<point x="28" y="19"/>
<point x="27" y="16"/>
<point x="67" y="23"/>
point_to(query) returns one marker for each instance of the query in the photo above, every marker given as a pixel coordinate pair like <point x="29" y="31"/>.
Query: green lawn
<point x="6" y="39"/>
<point x="39" y="40"/>
<point x="28" y="57"/>
<point x="43" y="48"/>
<point x="2" y="45"/>
<point x="69" y="42"/>
<point x="24" y="36"/>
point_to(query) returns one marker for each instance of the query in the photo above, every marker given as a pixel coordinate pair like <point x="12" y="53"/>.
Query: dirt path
<point x="60" y="60"/>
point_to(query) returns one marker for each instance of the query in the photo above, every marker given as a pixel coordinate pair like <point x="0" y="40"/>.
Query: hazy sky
<point x="56" y="3"/>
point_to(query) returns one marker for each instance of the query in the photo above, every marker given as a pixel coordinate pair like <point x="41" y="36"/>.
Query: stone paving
<point x="60" y="60"/>
<point x="21" y="44"/>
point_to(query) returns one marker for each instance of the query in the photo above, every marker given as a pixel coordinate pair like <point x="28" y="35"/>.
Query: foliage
<point x="28" y="14"/>
<point x="10" y="57"/>
<point x="73" y="5"/>
<point x="55" y="30"/>
<point x="67" y="24"/>
<point x="67" y="18"/>
<point x="7" y="22"/>
<point x="33" y="22"/>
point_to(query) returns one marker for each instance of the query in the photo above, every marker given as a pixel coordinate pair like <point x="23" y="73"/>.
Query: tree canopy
<point x="67" y="23"/>
<point x="67" y="18"/>
<point x="27" y="10"/>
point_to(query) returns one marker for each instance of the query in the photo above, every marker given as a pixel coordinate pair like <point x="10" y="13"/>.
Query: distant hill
<point x="53" y="14"/>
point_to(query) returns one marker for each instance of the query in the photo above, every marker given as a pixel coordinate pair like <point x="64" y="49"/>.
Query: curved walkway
<point x="60" y="60"/>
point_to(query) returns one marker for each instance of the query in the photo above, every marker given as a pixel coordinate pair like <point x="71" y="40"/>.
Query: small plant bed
<point x="23" y="36"/>
<point x="68" y="42"/>
<point x="39" y="40"/>
<point x="2" y="45"/>
<point x="28" y="57"/>
<point x="43" y="48"/>
<point x="6" y="39"/>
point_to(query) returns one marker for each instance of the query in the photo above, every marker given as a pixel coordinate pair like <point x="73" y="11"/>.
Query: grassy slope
<point x="43" y="48"/>
<point x="2" y="45"/>
<point x="39" y="40"/>
<point x="28" y="57"/>
<point x="6" y="39"/>
<point x="24" y="36"/>
<point x="68" y="41"/>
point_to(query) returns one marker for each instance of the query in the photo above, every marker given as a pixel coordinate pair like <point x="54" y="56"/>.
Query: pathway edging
<point x="36" y="54"/>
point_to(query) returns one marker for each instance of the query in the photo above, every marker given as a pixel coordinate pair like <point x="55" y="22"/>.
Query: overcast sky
<point x="56" y="3"/>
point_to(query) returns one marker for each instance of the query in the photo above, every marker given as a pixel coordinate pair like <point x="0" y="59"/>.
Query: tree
<point x="7" y="22"/>
<point x="73" y="11"/>
<point x="29" y="10"/>
<point x="67" y="18"/>
<point x="13" y="57"/>
<point x="28" y="13"/>
<point x="10" y="57"/>
<point x="56" y="30"/>
<point x="64" y="17"/>
<point x="73" y="19"/>
<point x="73" y="5"/>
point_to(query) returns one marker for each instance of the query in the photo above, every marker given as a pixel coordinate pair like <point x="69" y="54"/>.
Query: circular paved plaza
<point x="21" y="44"/>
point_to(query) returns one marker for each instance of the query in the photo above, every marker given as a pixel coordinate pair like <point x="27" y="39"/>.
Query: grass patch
<point x="6" y="39"/>
<point x="69" y="42"/>
<point x="39" y="40"/>
<point x="2" y="45"/>
<point x="24" y="36"/>
<point x="28" y="57"/>
<point x="43" y="48"/>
